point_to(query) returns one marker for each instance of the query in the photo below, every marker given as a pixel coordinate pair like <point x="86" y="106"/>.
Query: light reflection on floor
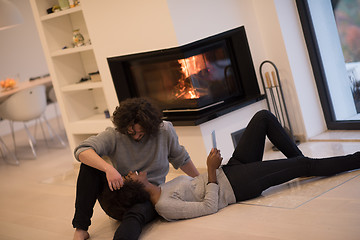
<point x="300" y="191"/>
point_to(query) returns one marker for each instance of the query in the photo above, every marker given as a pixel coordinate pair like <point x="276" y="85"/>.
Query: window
<point x="326" y="27"/>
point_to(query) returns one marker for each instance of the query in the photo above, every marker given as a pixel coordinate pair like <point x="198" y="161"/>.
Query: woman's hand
<point x="214" y="159"/>
<point x="213" y="162"/>
<point x="114" y="178"/>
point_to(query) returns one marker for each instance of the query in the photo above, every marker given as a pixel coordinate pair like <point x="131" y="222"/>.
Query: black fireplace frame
<point x="240" y="55"/>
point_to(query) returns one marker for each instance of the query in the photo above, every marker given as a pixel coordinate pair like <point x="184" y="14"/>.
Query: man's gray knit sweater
<point x="150" y="154"/>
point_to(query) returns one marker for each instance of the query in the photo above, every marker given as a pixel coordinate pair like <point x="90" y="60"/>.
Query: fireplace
<point x="192" y="83"/>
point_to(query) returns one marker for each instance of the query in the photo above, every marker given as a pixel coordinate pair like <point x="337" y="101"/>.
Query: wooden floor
<point x="37" y="202"/>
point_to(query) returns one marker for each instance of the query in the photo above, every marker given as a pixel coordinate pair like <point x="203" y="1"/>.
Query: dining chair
<point x="24" y="106"/>
<point x="6" y="153"/>
<point x="52" y="97"/>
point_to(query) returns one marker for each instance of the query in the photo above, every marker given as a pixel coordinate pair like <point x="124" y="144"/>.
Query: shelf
<point x="82" y="105"/>
<point x="94" y="124"/>
<point x="61" y="13"/>
<point x="67" y="51"/>
<point x="82" y="86"/>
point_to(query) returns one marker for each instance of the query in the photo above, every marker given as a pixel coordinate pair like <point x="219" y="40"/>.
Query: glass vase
<point x="78" y="38"/>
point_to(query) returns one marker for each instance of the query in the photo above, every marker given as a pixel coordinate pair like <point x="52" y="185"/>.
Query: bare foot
<point x="81" y="234"/>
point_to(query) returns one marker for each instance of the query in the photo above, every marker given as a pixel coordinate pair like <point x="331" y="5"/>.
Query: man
<point x="140" y="141"/>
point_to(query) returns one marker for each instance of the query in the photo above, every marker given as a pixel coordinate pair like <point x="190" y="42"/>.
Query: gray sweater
<point x="150" y="154"/>
<point x="187" y="197"/>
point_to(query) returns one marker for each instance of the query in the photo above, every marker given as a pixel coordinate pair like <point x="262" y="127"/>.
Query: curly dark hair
<point x="137" y="111"/>
<point x="116" y="203"/>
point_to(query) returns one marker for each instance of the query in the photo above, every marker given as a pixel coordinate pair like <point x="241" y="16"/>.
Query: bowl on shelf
<point x="8" y="83"/>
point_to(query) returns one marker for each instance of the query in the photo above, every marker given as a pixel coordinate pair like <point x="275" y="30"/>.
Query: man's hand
<point x="92" y="159"/>
<point x="81" y="234"/>
<point x="190" y="169"/>
<point x="114" y="178"/>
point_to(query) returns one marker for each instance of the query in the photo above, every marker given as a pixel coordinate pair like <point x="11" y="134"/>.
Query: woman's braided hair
<point x="116" y="203"/>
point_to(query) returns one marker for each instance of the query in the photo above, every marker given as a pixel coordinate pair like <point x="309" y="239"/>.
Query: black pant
<point x="249" y="176"/>
<point x="90" y="185"/>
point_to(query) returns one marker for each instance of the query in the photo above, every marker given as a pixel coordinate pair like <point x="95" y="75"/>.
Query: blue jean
<point x="249" y="176"/>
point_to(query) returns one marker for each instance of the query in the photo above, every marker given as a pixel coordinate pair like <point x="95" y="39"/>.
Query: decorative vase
<point x="78" y="38"/>
<point x="64" y="4"/>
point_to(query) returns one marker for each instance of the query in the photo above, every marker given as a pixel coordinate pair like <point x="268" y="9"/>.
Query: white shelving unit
<point x="82" y="104"/>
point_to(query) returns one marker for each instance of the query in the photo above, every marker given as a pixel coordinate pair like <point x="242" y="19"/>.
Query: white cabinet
<point x="82" y="104"/>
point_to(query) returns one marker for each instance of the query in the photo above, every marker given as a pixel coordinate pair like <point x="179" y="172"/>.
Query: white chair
<point x="6" y="153"/>
<point x="26" y="105"/>
<point x="52" y="97"/>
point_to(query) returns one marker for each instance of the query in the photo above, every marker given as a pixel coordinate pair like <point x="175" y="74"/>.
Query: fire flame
<point x="193" y="94"/>
<point x="192" y="65"/>
<point x="189" y="66"/>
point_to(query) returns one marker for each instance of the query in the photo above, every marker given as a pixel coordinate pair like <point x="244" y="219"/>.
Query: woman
<point x="245" y="176"/>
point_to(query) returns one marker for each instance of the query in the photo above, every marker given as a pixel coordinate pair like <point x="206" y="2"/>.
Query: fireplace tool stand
<point x="275" y="97"/>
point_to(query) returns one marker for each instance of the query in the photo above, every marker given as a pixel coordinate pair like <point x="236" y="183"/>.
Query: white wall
<point x="21" y="53"/>
<point x="198" y="22"/>
<point x="124" y="27"/>
<point x="300" y="72"/>
<point x="20" y="48"/>
<point x="274" y="33"/>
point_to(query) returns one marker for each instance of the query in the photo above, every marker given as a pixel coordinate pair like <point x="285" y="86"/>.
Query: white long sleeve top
<point x="186" y="197"/>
